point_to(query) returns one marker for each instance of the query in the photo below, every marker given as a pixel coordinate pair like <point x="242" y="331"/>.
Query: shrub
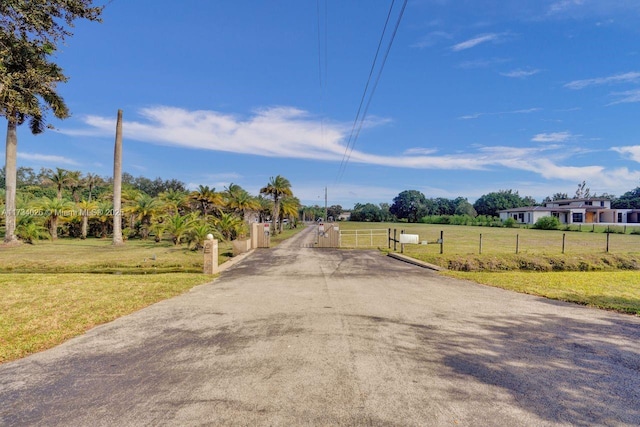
<point x="509" y="222"/>
<point x="547" y="223"/>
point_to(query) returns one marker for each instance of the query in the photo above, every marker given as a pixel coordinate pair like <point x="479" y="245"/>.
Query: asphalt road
<point x="299" y="336"/>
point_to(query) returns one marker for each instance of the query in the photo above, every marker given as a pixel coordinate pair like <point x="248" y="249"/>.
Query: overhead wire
<point x="359" y="120"/>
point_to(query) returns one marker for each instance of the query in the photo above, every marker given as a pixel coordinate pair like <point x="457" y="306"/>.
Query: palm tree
<point x="174" y="200"/>
<point x="289" y="209"/>
<point x="198" y="234"/>
<point x="60" y="179"/>
<point x="90" y="181"/>
<point x="117" y="184"/>
<point x="240" y="201"/>
<point x="30" y="231"/>
<point x="206" y="198"/>
<point x="86" y="208"/>
<point x="178" y="226"/>
<point x="105" y="213"/>
<point x="265" y="206"/>
<point x="29" y="82"/>
<point x="229" y="225"/>
<point x="54" y="209"/>
<point x="277" y="188"/>
<point x="144" y="209"/>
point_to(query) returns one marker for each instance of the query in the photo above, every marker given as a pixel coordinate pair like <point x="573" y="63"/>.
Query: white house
<point x="574" y="211"/>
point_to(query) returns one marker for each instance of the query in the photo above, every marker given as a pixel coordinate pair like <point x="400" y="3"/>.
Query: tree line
<point x="414" y="206"/>
<point x="55" y="203"/>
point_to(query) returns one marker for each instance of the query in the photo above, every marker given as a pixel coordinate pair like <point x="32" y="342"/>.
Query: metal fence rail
<point x="367" y="238"/>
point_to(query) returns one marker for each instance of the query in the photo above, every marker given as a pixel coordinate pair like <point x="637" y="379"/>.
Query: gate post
<point x="210" y="255"/>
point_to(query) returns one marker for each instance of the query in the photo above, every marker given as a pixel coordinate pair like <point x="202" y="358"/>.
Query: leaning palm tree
<point x="277" y="188"/>
<point x="29" y="82"/>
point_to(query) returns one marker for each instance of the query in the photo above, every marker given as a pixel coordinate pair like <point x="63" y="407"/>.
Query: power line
<point x="354" y="134"/>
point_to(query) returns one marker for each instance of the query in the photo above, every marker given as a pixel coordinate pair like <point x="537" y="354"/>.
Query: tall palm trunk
<point x="10" y="182"/>
<point x="276" y="211"/>
<point x="117" y="184"/>
<point x="85" y="225"/>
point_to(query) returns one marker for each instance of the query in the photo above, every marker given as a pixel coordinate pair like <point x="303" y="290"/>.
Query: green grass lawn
<point x="53" y="291"/>
<point x="611" y="290"/>
<point x="39" y="311"/>
<point x="99" y="256"/>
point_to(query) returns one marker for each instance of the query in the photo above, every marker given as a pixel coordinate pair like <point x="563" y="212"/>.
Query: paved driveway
<point x="298" y="336"/>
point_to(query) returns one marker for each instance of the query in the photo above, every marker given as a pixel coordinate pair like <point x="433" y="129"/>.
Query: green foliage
<point x="491" y="203"/>
<point x="509" y="222"/>
<point x="409" y="205"/>
<point x="629" y="200"/>
<point x="547" y="223"/>
<point x="369" y="212"/>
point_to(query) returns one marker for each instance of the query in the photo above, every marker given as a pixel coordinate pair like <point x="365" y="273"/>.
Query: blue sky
<point x="475" y="96"/>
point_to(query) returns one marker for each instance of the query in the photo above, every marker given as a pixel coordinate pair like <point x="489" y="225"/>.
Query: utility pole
<point x="326" y="218"/>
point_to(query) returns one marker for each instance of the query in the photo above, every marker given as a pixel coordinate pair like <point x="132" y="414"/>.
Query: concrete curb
<point x="233" y="261"/>
<point x="414" y="261"/>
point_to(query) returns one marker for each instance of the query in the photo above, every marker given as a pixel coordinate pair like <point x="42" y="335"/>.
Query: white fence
<point x="368" y="238"/>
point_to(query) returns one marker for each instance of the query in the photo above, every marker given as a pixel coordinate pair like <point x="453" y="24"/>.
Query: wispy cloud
<point x="628" y="96"/>
<point x="520" y="73"/>
<point x="431" y="39"/>
<point x="287" y="132"/>
<point x="563" y="6"/>
<point x="499" y="113"/>
<point x="552" y="137"/>
<point x="632" y="152"/>
<point x="630" y="77"/>
<point x="482" y="63"/>
<point x="483" y="38"/>
<point x="47" y="159"/>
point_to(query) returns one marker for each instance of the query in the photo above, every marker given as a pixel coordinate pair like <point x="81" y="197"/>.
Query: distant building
<point x="574" y="211"/>
<point x="344" y="216"/>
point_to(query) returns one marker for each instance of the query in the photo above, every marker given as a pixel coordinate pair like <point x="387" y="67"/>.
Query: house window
<point x="588" y="203"/>
<point x="515" y="216"/>
<point x="521" y="217"/>
<point x="619" y="216"/>
<point x="577" y="217"/>
<point x="602" y="203"/>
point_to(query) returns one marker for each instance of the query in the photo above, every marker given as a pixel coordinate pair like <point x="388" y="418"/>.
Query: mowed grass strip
<point x="611" y="290"/>
<point x="40" y="311"/>
<point x="100" y="256"/>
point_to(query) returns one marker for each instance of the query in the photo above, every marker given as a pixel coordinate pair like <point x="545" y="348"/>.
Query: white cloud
<point x="552" y="137"/>
<point x="478" y="115"/>
<point x="632" y="152"/>
<point x="431" y="39"/>
<point x="519" y="73"/>
<point x="564" y="5"/>
<point x="47" y="159"/>
<point x="468" y="44"/>
<point x="482" y="63"/>
<point x="628" y="96"/>
<point x="631" y="77"/>
<point x="287" y="132"/>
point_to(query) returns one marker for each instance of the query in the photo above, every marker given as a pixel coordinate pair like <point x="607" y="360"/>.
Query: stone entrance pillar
<point x="210" y="255"/>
